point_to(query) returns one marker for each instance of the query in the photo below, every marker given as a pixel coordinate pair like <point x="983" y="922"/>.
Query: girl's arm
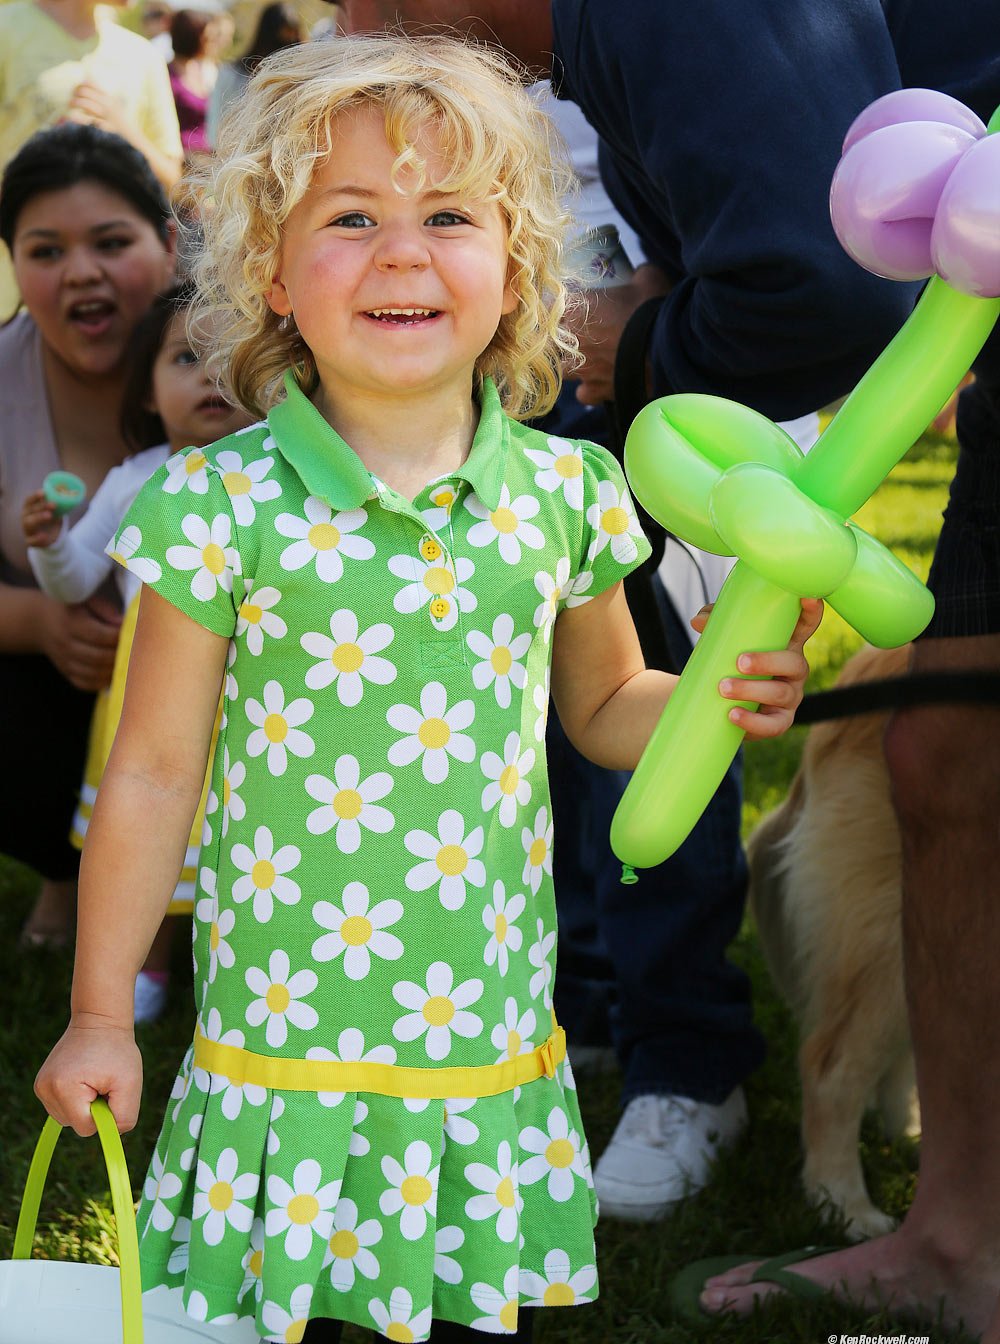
<point x="135" y="849"/>
<point x="609" y="703"/>
<point x="75" y="565"/>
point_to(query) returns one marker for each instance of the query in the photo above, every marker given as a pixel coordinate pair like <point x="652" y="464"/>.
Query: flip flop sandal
<point x="687" y="1286"/>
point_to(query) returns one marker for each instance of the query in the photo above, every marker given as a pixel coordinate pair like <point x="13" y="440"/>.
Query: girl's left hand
<point x="782" y="677"/>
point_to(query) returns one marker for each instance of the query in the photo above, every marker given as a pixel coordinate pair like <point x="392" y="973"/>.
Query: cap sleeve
<point x="613" y="543"/>
<point x="180" y="537"/>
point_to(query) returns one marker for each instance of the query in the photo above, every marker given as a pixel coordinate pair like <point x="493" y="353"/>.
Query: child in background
<point x="376" y="1121"/>
<point x="168" y="396"/>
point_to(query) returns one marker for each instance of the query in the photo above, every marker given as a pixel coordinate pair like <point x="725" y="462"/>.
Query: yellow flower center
<point x="452" y="860"/>
<point x="213" y="557"/>
<point x="504" y="520"/>
<point x="537" y="852"/>
<point x="416" y="1190"/>
<point x="614" y="521"/>
<point x="262" y="874"/>
<point x="213" y="937"/>
<point x="344" y="1244"/>
<point x="500" y="661"/>
<point x="513" y="1045"/>
<point x="444" y="499"/>
<point x="251" y="613"/>
<point x="509" y="780"/>
<point x="278" y="998"/>
<point x="227" y="792"/>
<point x="356" y="930"/>
<point x="324" y="537"/>
<point x="237" y="483"/>
<point x="505" y="1193"/>
<point x="221" y="1196"/>
<point x="439" y="1010"/>
<point x="508" y="1316"/>
<point x="500" y="928"/>
<point x="399" y="1333"/>
<point x="559" y="1295"/>
<point x="438" y="580"/>
<point x="348" y="804"/>
<point x="347" y="657"/>
<point x="433" y="733"/>
<point x="296" y="1332"/>
<point x="559" y="1153"/>
<point x="256" y="1263"/>
<point x="193" y="462"/>
<point x="302" y="1209"/>
<point x="275" y="727"/>
<point x="568" y="466"/>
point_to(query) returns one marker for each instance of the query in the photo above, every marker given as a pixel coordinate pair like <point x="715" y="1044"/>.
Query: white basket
<point x="55" y="1302"/>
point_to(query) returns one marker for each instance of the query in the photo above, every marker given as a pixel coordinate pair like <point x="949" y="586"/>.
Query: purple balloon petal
<point x="885" y="194"/>
<point x="913" y="105"/>
<point x="965" y="240"/>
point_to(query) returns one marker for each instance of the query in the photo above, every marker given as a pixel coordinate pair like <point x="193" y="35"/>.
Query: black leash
<point x="923" y="688"/>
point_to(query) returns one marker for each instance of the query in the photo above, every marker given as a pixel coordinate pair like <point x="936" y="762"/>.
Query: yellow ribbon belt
<point x="390" y="1080"/>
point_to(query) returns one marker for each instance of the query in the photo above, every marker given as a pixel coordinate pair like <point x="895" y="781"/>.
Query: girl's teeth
<point x="401" y="312"/>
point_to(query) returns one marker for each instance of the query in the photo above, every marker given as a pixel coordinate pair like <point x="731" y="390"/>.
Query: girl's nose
<point x="401" y="248"/>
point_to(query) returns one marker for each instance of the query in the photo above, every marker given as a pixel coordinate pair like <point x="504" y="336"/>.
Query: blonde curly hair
<point x="503" y="149"/>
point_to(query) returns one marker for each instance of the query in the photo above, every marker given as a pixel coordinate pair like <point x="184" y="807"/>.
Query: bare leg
<point x="50" y="923"/>
<point x="945" y="769"/>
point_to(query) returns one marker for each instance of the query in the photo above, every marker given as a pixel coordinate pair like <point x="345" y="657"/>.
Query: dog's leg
<point x="897" y="1097"/>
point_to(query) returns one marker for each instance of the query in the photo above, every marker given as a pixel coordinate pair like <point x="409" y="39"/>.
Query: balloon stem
<point x="629" y="877"/>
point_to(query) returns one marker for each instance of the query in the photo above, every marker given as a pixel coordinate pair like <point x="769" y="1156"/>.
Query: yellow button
<point x="439" y="608"/>
<point x="429" y="549"/>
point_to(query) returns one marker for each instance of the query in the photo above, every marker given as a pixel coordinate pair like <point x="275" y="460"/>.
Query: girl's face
<point x="192" y="409"/>
<point x="395" y="295"/>
<point x="88" y="266"/>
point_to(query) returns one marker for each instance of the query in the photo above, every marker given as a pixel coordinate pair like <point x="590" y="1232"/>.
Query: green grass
<point x="754" y="1203"/>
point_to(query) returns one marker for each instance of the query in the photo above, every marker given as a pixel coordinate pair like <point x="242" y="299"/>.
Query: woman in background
<point x="277" y="27"/>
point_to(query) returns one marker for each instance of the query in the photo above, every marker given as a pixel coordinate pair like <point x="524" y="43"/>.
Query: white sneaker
<point x="150" y="999"/>
<point x="662" y="1150"/>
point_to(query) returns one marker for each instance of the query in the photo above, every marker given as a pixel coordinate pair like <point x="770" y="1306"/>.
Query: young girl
<point x="167" y="396"/>
<point x="376" y="1122"/>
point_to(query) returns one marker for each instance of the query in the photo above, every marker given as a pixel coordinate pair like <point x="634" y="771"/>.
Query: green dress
<point x="376" y="1122"/>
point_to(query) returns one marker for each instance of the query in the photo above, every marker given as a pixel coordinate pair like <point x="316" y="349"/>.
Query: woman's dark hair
<point x="63" y="156"/>
<point x="142" y="427"/>
<point x="187" y="32"/>
<point x="275" y="27"/>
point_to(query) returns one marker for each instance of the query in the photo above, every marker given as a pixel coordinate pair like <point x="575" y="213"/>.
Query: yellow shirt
<point x="40" y="66"/>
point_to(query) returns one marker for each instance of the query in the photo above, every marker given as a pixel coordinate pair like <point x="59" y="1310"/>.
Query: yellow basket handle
<point x="121" y="1199"/>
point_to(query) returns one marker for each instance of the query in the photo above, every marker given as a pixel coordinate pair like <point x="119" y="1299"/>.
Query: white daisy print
<point x="450" y="858"/>
<point x="210" y="555"/>
<point x="265" y="874"/>
<point x="505" y="936"/>
<point x="438" y="1010"/>
<point x="412" y="1189"/>
<point x="560" y="467"/>
<point x="277" y="1110"/>
<point x="396" y="1319"/>
<point x="246" y="486"/>
<point x="278" y="727"/>
<point x="357" y="931"/>
<point x="432" y="581"/>
<point x="349" y="802"/>
<point x="613" y="519"/>
<point x="257" y="619"/>
<point x="513" y="1036"/>
<point x="213" y="1083"/>
<point x="323" y="537"/>
<point x="443" y="499"/>
<point x="129" y="541"/>
<point x="186" y="1159"/>
<point x="348" y="657"/>
<point x="234" y="775"/>
<point x="181" y="1253"/>
<point x="540" y="956"/>
<point x="507" y="525"/>
<point x="347" y="1251"/>
<point x="501" y="654"/>
<point x="253" y="1263"/>
<point x="220" y="925"/>
<point x="500" y="1306"/>
<point x="556" y="1154"/>
<point x="557" y="1287"/>
<point x="500" y="1197"/>
<point x="160" y="1186"/>
<point x="197" y="1309"/>
<point x="446" y="1240"/>
<point x="458" y="1127"/>
<point x="301" y="1210"/>
<point x="187" y="471"/>
<point x="350" y="1050"/>
<point x="219" y="1195"/>
<point x="280" y="998"/>
<point x="508" y="785"/>
<point x="288" y="1327"/>
<point x="551" y="588"/>
<point x="433" y="733"/>
<point x="540" y="699"/>
<point x="537" y="843"/>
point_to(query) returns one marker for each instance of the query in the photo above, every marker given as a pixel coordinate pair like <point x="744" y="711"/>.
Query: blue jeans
<point x="645" y="966"/>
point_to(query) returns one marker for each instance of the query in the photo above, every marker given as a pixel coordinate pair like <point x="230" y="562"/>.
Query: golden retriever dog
<point x="825" y="891"/>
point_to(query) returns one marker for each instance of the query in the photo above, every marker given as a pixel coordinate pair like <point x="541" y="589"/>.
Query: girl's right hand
<point x="93" y="1058"/>
<point x="39" y="521"/>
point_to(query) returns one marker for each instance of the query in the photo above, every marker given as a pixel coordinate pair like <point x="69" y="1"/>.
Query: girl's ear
<point x="277" y="298"/>
<point x="170" y="253"/>
<point x="511" y="298"/>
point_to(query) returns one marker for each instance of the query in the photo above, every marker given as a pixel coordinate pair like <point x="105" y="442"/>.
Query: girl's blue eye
<point x="185" y="357"/>
<point x="446" y="217"/>
<point x="354" y="219"/>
